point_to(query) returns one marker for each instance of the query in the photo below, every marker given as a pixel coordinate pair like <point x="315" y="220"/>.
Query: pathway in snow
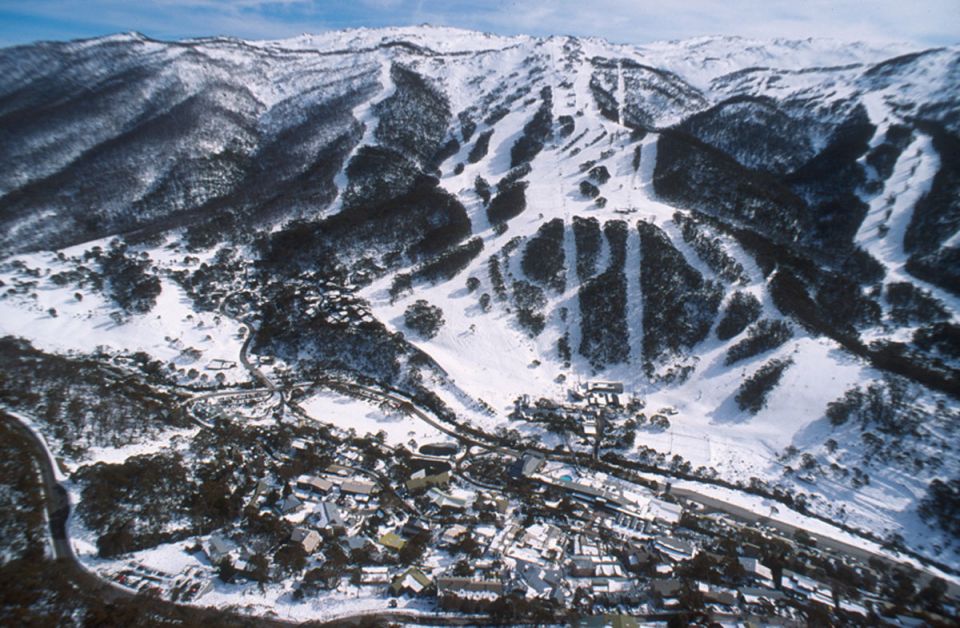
<point x="365" y="115"/>
<point x="634" y="294"/>
<point x="621" y="91"/>
<point x="883" y="229"/>
<point x="650" y="208"/>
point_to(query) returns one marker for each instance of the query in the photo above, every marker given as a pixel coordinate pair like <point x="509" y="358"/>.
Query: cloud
<point x="932" y="22"/>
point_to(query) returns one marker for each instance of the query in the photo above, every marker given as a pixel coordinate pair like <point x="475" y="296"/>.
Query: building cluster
<point x="184" y="587"/>
<point x="336" y="305"/>
<point x="591" y="408"/>
<point x="551" y="536"/>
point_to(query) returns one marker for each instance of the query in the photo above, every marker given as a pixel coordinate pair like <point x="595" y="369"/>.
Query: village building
<point x="392" y="540"/>
<point x="218" y="547"/>
<point x="360" y="490"/>
<point x="675" y="549"/>
<point x="412" y="581"/>
<point x="757" y="595"/>
<point x="536" y="581"/>
<point x="545" y="539"/>
<point x="291" y="504"/>
<point x="376" y="574"/>
<point x="357" y="542"/>
<point x="219" y="364"/>
<point x="803" y="587"/>
<point x="664" y="512"/>
<point x="452" y="534"/>
<point x="759" y="573"/>
<point x="306" y="538"/>
<point x="328" y="516"/>
<point x="606" y="621"/>
<point x="666" y="587"/>
<point x="413" y="527"/>
<point x="526" y="465"/>
<point x="421" y="480"/>
<point x="717" y="595"/>
<point x="313" y="484"/>
<point x="446" y="500"/>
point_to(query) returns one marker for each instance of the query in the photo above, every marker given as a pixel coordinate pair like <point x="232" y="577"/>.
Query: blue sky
<point x="922" y="22"/>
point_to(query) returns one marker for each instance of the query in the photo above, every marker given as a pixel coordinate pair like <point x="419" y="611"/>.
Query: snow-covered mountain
<point x="764" y="236"/>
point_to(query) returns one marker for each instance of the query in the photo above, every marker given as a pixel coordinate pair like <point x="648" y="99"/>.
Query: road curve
<point x="57" y="503"/>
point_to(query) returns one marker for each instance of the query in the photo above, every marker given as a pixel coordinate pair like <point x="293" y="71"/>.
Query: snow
<point x="487" y="355"/>
<point x="776" y="512"/>
<point x="364" y="113"/>
<point x="701" y="60"/>
<point x="170" y="558"/>
<point x="435" y="38"/>
<point x="86" y="326"/>
<point x="117" y="455"/>
<point x="366" y="418"/>
<point x="891" y="210"/>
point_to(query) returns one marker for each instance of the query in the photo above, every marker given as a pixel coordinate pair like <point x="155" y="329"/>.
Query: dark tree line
<point x="543" y="257"/>
<point x="753" y="392"/>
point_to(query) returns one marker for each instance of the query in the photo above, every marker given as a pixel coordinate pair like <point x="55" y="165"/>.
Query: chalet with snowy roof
<point x="581" y="391"/>
<point x="412" y="581"/>
<point x="452" y="534"/>
<point x="664" y="512"/>
<point x="595" y="567"/>
<point x="218" y="547"/>
<point x="717" y="595"/>
<point x="291" y="504"/>
<point x="328" y="516"/>
<point x="446" y="500"/>
<point x="759" y="595"/>
<point x="537" y="581"/>
<point x="413" y="527"/>
<point x="355" y="542"/>
<point x="545" y="539"/>
<point x="338" y="469"/>
<point x="805" y="588"/>
<point x="675" y="549"/>
<point x="314" y="485"/>
<point x="306" y="538"/>
<point x="360" y="490"/>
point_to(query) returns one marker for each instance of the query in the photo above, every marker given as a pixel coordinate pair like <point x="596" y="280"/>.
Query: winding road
<point x="58" y="504"/>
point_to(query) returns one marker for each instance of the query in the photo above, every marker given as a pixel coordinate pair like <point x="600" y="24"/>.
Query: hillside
<point x="760" y="240"/>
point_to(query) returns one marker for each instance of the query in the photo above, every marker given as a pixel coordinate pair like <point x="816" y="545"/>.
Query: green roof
<point x="393" y="541"/>
<point x="403" y="580"/>
<point x="607" y="621"/>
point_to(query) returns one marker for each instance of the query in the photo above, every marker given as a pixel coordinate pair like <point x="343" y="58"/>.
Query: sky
<point x="924" y="23"/>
